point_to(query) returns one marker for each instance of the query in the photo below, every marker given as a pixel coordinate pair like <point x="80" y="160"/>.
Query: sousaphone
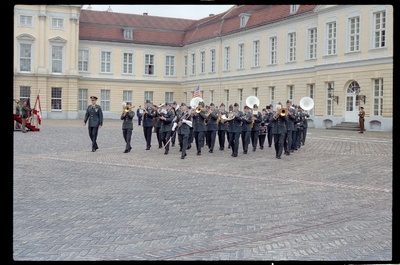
<point x="195" y="102"/>
<point x="306" y="103"/>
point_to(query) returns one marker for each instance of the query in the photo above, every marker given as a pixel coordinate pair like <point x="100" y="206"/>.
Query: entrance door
<point x="351" y="102"/>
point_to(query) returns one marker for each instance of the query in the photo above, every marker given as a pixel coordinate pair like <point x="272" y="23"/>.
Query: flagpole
<point x="34" y="107"/>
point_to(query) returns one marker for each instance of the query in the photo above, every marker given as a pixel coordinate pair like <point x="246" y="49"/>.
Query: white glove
<point x="174" y="126"/>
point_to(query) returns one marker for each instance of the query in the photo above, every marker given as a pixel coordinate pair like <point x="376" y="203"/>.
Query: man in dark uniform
<point x="221" y="127"/>
<point x="236" y="129"/>
<point x="279" y="131"/>
<point x="270" y="113"/>
<point x="176" y="111"/>
<point x="184" y="125"/>
<point x="212" y="127"/>
<point x="255" y="126"/>
<point x="199" y="127"/>
<point x="166" y="126"/>
<point x="191" y="134"/>
<point x="148" y="122"/>
<point x="246" y="130"/>
<point x="127" y="126"/>
<point x="228" y="127"/>
<point x="158" y="126"/>
<point x="361" y="117"/>
<point x="95" y="116"/>
<point x="291" y="129"/>
<point x="263" y="129"/>
<point x="299" y="128"/>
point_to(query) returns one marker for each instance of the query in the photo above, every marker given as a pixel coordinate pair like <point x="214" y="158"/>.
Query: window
<point x="185" y="97"/>
<point x="148" y="95"/>
<point x="56" y="59"/>
<point x="185" y="65"/>
<point x="243" y="19"/>
<point x="24" y="92"/>
<point x="105" y="62"/>
<point x="311" y="94"/>
<point x="226" y="92"/>
<point x="256" y="53"/>
<point x="170" y="65"/>
<point x="354" y="34"/>
<point x="25" y="57"/>
<point x="105" y="100"/>
<point x="82" y="99"/>
<point x="128" y="34"/>
<point x="331" y="38"/>
<point x="128" y="63"/>
<point x="212" y="60"/>
<point x="241" y="56"/>
<point x="202" y="62"/>
<point x="272" y="94"/>
<point x="292" y="47"/>
<point x="378" y="97"/>
<point x="255" y="91"/>
<point x="272" y="49"/>
<point x="83" y="60"/>
<point x="193" y="63"/>
<point x="169" y="96"/>
<point x="25" y="21"/>
<point x="240" y="92"/>
<point x="312" y="43"/>
<point x="291" y="92"/>
<point x="211" y="95"/>
<point x="149" y="64"/>
<point x="294" y="8"/>
<point x="127" y="96"/>
<point x="329" y="99"/>
<point x="379" y="29"/>
<point x="227" y="58"/>
<point x="57" y="23"/>
<point x="56" y="98"/>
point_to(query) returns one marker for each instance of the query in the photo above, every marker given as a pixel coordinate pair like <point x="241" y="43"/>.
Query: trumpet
<point x="281" y="112"/>
<point x="199" y="109"/>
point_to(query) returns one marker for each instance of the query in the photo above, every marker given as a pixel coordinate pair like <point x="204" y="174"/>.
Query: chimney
<point x="145" y="14"/>
<point x="211" y="15"/>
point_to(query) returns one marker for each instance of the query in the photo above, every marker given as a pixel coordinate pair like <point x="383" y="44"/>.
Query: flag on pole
<point x="38" y="110"/>
<point x="197" y="92"/>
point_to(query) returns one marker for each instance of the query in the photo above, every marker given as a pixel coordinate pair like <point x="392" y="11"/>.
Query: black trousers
<point x="173" y="136"/>
<point x="303" y="140"/>
<point x="234" y="142"/>
<point x="221" y="138"/>
<point x="269" y="136"/>
<point x="199" y="140"/>
<point x="211" y="135"/>
<point x="295" y="135"/>
<point x="261" y="139"/>
<point x="93" y="136"/>
<point x="183" y="140"/>
<point x="165" y="138"/>
<point x="147" y="131"/>
<point x="191" y="136"/>
<point x="127" y="134"/>
<point x="278" y="143"/>
<point x="287" y="145"/>
<point x="254" y="138"/>
<point x="245" y="140"/>
<point x="158" y="134"/>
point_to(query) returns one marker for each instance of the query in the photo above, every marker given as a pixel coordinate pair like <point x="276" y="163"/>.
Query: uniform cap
<point x="93" y="97"/>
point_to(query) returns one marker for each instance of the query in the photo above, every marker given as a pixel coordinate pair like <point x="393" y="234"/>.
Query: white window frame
<point x="227" y="58"/>
<point x="291" y="46"/>
<point x="83" y="96"/>
<point x="170" y="65"/>
<point x="169" y="96"/>
<point x="127" y="96"/>
<point x="273" y="49"/>
<point x="105" y="100"/>
<point x="106" y="58"/>
<point x="212" y="60"/>
<point x="294" y="9"/>
<point x="149" y="60"/>
<point x="185" y="65"/>
<point x="26" y="21"/>
<point x="241" y="55"/>
<point x="378" y="96"/>
<point x="55" y="100"/>
<point x="353" y="33"/>
<point x="56" y="60"/>
<point x="331" y="38"/>
<point x="128" y="34"/>
<point x="381" y="32"/>
<point x="256" y="53"/>
<point x="312" y="43"/>
<point x="30" y="58"/>
<point x="128" y="63"/>
<point x="57" y="23"/>
<point x="329" y="98"/>
<point x="83" y="63"/>
<point x="192" y="63"/>
<point x="202" y="62"/>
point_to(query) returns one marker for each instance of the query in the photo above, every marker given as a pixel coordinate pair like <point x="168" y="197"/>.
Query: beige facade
<point x="353" y="44"/>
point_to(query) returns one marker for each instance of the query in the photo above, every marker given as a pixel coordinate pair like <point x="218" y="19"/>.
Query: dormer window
<point x="243" y="19"/>
<point x="294" y="8"/>
<point x="128" y="34"/>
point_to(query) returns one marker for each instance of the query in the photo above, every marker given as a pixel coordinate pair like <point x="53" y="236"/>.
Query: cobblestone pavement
<point x="329" y="201"/>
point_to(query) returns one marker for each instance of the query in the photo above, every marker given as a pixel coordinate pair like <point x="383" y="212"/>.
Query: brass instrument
<point x="127" y="108"/>
<point x="306" y="103"/>
<point x="280" y="112"/>
<point x="231" y="116"/>
<point x="219" y="117"/>
<point x="199" y="109"/>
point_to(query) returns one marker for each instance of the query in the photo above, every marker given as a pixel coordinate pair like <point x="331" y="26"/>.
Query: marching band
<point x="285" y="128"/>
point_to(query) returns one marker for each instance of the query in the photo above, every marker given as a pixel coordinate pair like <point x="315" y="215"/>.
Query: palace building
<point x="339" y="55"/>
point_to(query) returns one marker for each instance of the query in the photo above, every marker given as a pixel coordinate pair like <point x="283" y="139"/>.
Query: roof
<point x="154" y="30"/>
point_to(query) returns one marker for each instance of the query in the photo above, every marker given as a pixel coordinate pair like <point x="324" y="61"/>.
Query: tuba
<point x="306" y="103"/>
<point x="250" y="102"/>
<point x="195" y="102"/>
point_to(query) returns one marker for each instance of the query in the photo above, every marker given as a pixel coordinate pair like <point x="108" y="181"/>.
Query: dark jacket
<point x="95" y="116"/>
<point x="166" y="125"/>
<point x="127" y="118"/>
<point x="148" y="118"/>
<point x="279" y="124"/>
<point x="198" y="122"/>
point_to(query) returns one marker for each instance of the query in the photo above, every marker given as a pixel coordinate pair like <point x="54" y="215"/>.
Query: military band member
<point x="221" y="127"/>
<point x="305" y="125"/>
<point x="270" y="113"/>
<point x="262" y="135"/>
<point x="235" y="129"/>
<point x="199" y="126"/>
<point x="127" y="126"/>
<point x="228" y="127"/>
<point x="246" y="130"/>
<point x="166" y="118"/>
<point x="361" y="119"/>
<point x="148" y="116"/>
<point x="176" y="110"/>
<point x="299" y="128"/>
<point x="255" y="126"/>
<point x="279" y="131"/>
<point x="95" y="116"/>
<point x="191" y="134"/>
<point x="212" y="127"/>
<point x="158" y="126"/>
<point x="184" y="125"/>
<point x="291" y="129"/>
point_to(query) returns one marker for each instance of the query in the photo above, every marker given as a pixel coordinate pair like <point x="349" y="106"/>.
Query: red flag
<point x="196" y="92"/>
<point x="38" y="110"/>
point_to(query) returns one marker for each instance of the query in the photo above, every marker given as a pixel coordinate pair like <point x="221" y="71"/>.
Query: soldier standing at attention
<point x="95" y="116"/>
<point x="127" y="126"/>
<point x="361" y="116"/>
